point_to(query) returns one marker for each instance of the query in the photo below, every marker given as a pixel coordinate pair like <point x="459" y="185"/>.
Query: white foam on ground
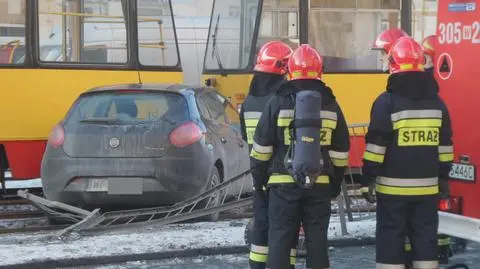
<point x="16" y="248"/>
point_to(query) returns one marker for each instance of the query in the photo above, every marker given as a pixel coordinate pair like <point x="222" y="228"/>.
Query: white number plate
<point x="97" y="185"/>
<point x="463" y="172"/>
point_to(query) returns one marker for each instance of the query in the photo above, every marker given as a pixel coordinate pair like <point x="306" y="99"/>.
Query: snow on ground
<point x="15" y="248"/>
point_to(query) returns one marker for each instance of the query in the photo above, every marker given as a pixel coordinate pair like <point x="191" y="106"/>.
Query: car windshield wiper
<point x="215" y="50"/>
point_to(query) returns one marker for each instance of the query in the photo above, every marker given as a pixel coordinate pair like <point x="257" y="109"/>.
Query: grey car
<point x="141" y="145"/>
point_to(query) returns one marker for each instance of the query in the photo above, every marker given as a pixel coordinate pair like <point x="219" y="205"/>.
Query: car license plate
<point x="125" y="186"/>
<point x="463" y="172"/>
<point x="97" y="185"/>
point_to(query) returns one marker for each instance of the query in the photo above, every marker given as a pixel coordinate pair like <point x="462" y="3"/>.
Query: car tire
<point x="213" y="181"/>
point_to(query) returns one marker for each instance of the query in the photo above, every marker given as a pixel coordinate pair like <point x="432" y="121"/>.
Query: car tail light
<point x="57" y="136"/>
<point x="185" y="134"/>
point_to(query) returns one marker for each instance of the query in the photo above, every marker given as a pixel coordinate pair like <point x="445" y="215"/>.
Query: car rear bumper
<point x="130" y="181"/>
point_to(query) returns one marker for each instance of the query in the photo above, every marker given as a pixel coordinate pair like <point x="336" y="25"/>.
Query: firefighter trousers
<point x="415" y="217"/>
<point x="289" y="206"/>
<point x="259" y="244"/>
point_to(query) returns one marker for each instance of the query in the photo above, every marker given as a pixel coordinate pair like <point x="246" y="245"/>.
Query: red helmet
<point x="273" y="58"/>
<point x="387" y="38"/>
<point x="429" y="44"/>
<point x="406" y="55"/>
<point x="305" y="63"/>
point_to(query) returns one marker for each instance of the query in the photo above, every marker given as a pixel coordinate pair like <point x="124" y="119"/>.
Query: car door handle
<point x="223" y="140"/>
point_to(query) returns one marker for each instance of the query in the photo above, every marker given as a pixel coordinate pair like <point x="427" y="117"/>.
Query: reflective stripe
<point x="376" y="148"/>
<point x="293" y="260"/>
<point x="252" y="115"/>
<point x="283" y="179"/>
<point x="417" y="114"/>
<point x="262" y="149"/>
<point x="324" y="114"/>
<point x="331" y="124"/>
<point x="338" y="154"/>
<point x="407" y="182"/>
<point x="444" y="241"/>
<point x="445" y="157"/>
<point x="258" y="257"/>
<point x="408" y="247"/>
<point x="445" y="149"/>
<point x="417" y="123"/>
<point x="339" y="158"/>
<point x="445" y="153"/>
<point x="390" y="266"/>
<point x="285" y="113"/>
<point x="406" y="190"/>
<point x="293" y="256"/>
<point x="329" y="118"/>
<point x="261" y="153"/>
<point x="251" y="122"/>
<point x="373" y="157"/>
<point x="425" y="264"/>
<point x="259" y="249"/>
<point x="364" y="190"/>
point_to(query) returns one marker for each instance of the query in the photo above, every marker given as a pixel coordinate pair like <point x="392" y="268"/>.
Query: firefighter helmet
<point x="273" y="58"/>
<point x="387" y="38"/>
<point x="428" y="45"/>
<point x="305" y="63"/>
<point x="406" y="55"/>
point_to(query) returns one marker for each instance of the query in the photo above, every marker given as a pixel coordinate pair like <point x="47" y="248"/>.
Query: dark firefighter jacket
<point x="272" y="136"/>
<point x="262" y="88"/>
<point x="409" y="145"/>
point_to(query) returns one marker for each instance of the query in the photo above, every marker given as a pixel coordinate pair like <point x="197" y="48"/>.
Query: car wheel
<point x="214" y="181"/>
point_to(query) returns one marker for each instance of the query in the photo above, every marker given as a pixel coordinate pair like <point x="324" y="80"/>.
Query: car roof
<point x="165" y="87"/>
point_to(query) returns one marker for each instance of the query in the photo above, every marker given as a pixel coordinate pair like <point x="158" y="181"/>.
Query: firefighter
<point x="289" y="204"/>
<point x="385" y="41"/>
<point x="407" y="160"/>
<point x="428" y="45"/>
<point x="269" y="73"/>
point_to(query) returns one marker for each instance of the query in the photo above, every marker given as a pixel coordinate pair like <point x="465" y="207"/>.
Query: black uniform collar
<point x="265" y="83"/>
<point x="292" y="87"/>
<point x="413" y="85"/>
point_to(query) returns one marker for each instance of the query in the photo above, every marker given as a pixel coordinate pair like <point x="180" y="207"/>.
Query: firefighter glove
<point x="444" y="188"/>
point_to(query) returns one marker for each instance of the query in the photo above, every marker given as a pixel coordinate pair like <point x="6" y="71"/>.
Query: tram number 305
<point x="462" y="171"/>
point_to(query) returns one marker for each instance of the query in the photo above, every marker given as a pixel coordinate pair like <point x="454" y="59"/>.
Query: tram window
<point x="12" y="32"/>
<point x="344" y="37"/>
<point x="156" y="34"/>
<point x="424" y="19"/>
<point x="82" y="31"/>
<point x="231" y="34"/>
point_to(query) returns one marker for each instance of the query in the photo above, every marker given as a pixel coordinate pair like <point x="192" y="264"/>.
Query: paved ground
<point x="341" y="258"/>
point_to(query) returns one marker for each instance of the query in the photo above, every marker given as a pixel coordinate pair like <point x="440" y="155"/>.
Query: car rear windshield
<point x="130" y="108"/>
